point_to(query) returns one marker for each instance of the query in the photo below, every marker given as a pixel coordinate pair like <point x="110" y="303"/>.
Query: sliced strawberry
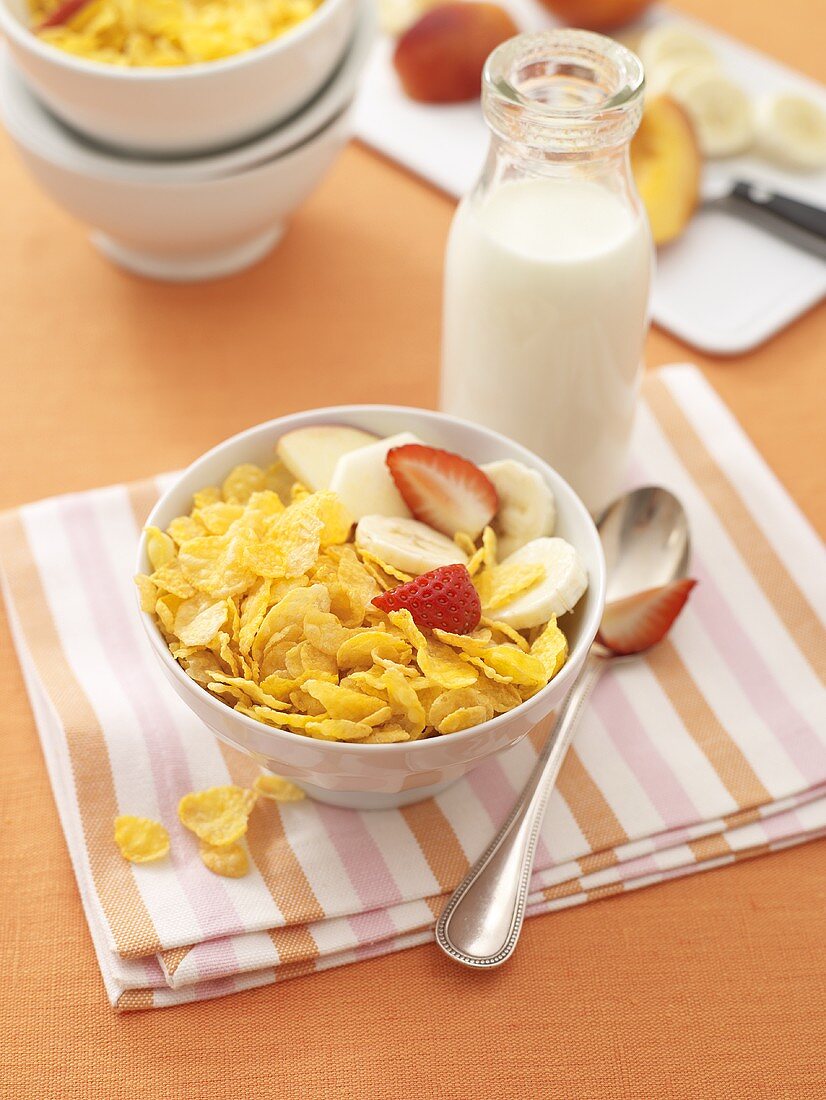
<point x="640" y="621"/>
<point x="442" y="489"/>
<point x="444" y="597"/>
<point x="63" y="13"/>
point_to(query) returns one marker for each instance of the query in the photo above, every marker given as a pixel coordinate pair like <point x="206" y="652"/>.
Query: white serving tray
<point x="724" y="286"/>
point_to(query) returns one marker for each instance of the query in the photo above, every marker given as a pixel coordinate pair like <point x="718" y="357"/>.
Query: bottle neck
<point x="510" y="161"/>
<point x="529" y="159"/>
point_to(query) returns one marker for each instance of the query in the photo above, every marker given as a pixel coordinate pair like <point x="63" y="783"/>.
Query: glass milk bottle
<point x="549" y="260"/>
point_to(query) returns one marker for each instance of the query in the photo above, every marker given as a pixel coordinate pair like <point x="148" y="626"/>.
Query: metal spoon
<point x="646" y="542"/>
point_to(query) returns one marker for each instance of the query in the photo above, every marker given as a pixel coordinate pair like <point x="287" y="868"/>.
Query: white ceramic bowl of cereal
<point x="180" y="110"/>
<point x="364" y="776"/>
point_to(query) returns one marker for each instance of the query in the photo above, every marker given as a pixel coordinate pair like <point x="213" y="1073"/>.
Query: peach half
<point x="440" y="58"/>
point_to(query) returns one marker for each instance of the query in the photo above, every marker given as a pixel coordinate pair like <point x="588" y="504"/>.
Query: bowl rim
<point x="338" y="414"/>
<point x="32" y="126"/>
<point x="102" y="173"/>
<point x="25" y="37"/>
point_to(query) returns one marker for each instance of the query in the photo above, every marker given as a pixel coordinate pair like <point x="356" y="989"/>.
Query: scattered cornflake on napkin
<point x="710" y="750"/>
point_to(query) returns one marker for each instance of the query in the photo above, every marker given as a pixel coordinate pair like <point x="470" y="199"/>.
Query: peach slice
<point x="440" y="58"/>
<point x="666" y="162"/>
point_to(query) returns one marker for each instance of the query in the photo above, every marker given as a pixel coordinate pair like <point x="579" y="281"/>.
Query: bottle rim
<point x="563" y="89"/>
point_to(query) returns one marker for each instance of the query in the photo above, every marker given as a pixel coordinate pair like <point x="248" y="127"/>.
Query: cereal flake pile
<point x="265" y="599"/>
<point x="164" y="33"/>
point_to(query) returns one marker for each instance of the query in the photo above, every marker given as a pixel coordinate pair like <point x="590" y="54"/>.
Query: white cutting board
<point x="724" y="286"/>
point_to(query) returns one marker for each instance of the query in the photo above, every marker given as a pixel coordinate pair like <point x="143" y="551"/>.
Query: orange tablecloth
<point x="714" y="986"/>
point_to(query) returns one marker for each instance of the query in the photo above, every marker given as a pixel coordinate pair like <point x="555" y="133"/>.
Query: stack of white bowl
<point x="191" y="172"/>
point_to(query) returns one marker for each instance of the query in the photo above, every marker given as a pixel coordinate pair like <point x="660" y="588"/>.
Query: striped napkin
<point x="712" y="749"/>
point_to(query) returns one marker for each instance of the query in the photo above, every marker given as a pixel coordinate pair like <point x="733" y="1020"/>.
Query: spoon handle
<point x="481" y="924"/>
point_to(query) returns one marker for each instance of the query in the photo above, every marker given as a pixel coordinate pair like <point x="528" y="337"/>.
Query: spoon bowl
<point x="646" y="541"/>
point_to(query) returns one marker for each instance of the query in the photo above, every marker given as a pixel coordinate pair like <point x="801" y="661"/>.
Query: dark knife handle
<point x="810" y="218"/>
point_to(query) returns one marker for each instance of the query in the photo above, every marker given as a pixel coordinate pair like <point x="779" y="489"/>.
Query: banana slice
<point x="406" y="544"/>
<point x="526" y="504"/>
<point x="719" y="109"/>
<point x="661" y="79"/>
<point x="673" y="42"/>
<point x="564" y="583"/>
<point x="791" y="131"/>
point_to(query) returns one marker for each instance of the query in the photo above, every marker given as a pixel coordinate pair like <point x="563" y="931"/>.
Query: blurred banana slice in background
<point x="791" y="131"/>
<point x="663" y="77"/>
<point x="721" y="111"/>
<point x="671" y="42"/>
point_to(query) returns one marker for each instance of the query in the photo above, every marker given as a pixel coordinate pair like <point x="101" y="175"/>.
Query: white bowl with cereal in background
<point x="182" y="110"/>
<point x="368" y="777"/>
<point x="192" y="219"/>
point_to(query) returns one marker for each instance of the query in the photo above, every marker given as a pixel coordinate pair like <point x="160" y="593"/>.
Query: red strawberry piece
<point x="640" y="621"/>
<point x="63" y="13"/>
<point x="442" y="489"/>
<point x="444" y="597"/>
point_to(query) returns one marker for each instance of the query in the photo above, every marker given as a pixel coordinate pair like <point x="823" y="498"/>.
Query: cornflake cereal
<point x="499" y="584"/>
<point x="217" y="816"/>
<point x="265" y="601"/>
<point x="227" y="860"/>
<point x="164" y="33"/>
<point x="140" y="839"/>
<point x="278" y="789"/>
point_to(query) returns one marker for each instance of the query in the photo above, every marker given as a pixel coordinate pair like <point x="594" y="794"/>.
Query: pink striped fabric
<point x="128" y="663"/>
<point x="712" y="750"/>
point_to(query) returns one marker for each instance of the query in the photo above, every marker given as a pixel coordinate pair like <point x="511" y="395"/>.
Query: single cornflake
<point x="462" y="719"/>
<point x="199" y="619"/>
<point x="278" y="789"/>
<point x="551" y="647"/>
<point x="338" y="729"/>
<point x="500" y="584"/>
<point x="242" y="482"/>
<point x="140" y="839"/>
<point x="218" y="815"/>
<point x="227" y="860"/>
